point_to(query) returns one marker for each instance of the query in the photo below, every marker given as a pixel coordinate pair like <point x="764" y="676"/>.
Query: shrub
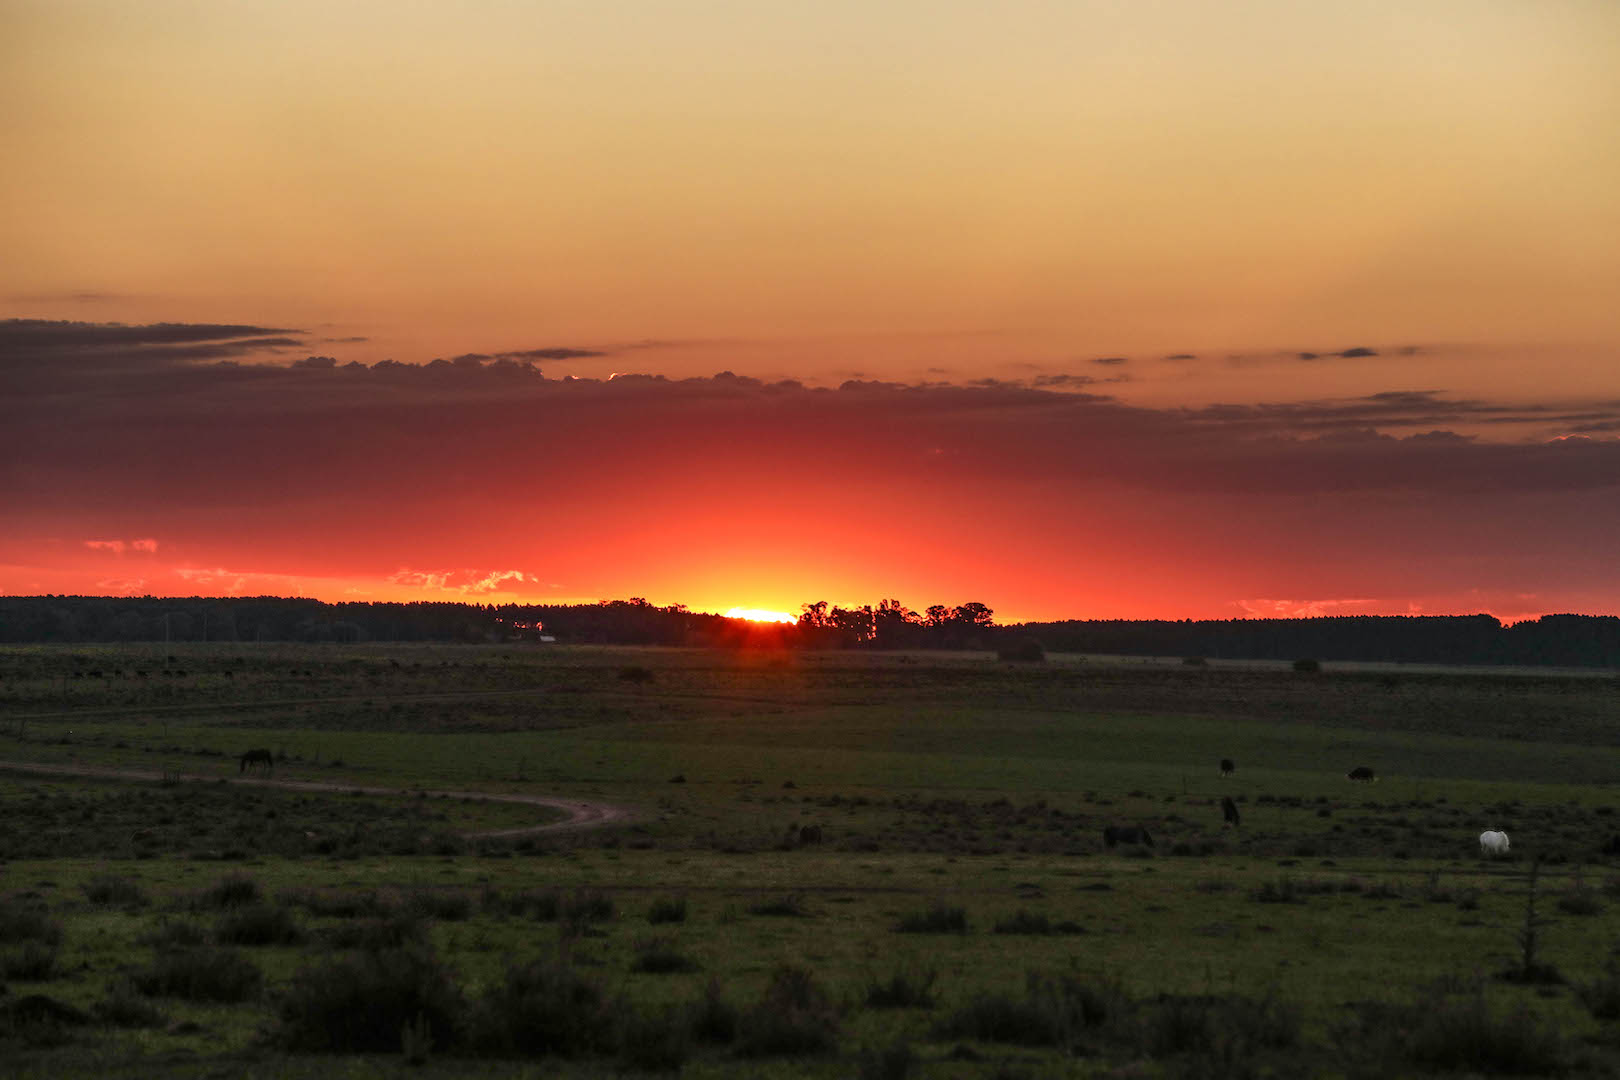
<point x="109" y="890"/>
<point x="258" y="924"/>
<point x="232" y="890"/>
<point x="1000" y="1018"/>
<point x="892" y="1062"/>
<point x="659" y="956"/>
<point x="543" y="1007"/>
<point x="635" y="673"/>
<point x="1026" y="922"/>
<point x="1224" y="1030"/>
<point x="173" y="935"/>
<point x="123" y="1006"/>
<point x="902" y="990"/>
<point x="938" y="919"/>
<point x="1465" y="1035"/>
<point x="34" y="962"/>
<point x="1195" y="661"/>
<point x="376" y="935"/>
<point x="450" y="906"/>
<point x="1028" y="651"/>
<point x="1601" y="996"/>
<point x="1052" y="1012"/>
<point x="669" y="909"/>
<point x="588" y="905"/>
<point x="335" y="905"/>
<point x="21" y="921"/>
<point x="793" y="1018"/>
<point x="712" y="1018"/>
<point x="1308" y="666"/>
<point x="1580" y="902"/>
<point x="362" y="1003"/>
<point x="202" y="974"/>
<point x="659" y="1042"/>
<point x="791" y="906"/>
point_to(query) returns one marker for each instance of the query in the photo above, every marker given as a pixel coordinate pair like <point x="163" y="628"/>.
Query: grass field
<point x="836" y="864"/>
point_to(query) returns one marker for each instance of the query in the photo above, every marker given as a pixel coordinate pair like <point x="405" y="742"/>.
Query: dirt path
<point x="581" y="814"/>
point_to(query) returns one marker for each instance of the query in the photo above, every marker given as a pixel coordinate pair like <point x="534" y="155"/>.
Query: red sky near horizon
<point x="1084" y="310"/>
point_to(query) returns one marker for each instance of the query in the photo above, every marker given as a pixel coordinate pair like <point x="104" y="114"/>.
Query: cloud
<point x="1180" y="357"/>
<point x="82" y="296"/>
<point x="146" y="545"/>
<point x="1109" y="361"/>
<point x="1351" y="354"/>
<point x="461" y="582"/>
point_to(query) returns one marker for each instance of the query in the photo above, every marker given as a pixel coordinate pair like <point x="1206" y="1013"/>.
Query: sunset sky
<point x="1082" y="309"/>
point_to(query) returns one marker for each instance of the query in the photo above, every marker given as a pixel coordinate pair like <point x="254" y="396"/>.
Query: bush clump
<point x="1054" y="1010"/>
<point x="200" y="974"/>
<point x="168" y="934"/>
<point x="544" y="1007"/>
<point x="34" y="962"/>
<point x="1036" y="923"/>
<point x="712" y="1018"/>
<point x="668" y="909"/>
<point x="110" y="890"/>
<point x="377" y="935"/>
<point x="660" y="956"/>
<point x="1452" y="1034"/>
<point x="363" y="1002"/>
<point x="939" y="919"/>
<point x="902" y="990"/>
<point x="232" y="890"/>
<point x="448" y="906"/>
<point x="1028" y="651"/>
<point x="794" y="1017"/>
<point x="21" y="921"/>
<point x="791" y="906"/>
<point x="124" y="1006"/>
<point x="258" y="924"/>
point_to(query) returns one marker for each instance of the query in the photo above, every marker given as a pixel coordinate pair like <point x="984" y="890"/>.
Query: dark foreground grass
<point x="959" y="915"/>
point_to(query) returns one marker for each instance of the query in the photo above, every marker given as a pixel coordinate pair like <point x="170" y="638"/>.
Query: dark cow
<point x="809" y="834"/>
<point x="1115" y="835"/>
<point x="1227" y="768"/>
<point x="1361" y="774"/>
<point x="1230" y="810"/>
<point x="257" y="757"/>
<point x="1611" y="846"/>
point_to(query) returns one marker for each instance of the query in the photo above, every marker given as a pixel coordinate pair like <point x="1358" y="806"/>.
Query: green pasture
<point x="937" y="783"/>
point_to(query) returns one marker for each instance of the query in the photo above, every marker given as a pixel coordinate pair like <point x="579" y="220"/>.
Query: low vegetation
<point x="943" y="904"/>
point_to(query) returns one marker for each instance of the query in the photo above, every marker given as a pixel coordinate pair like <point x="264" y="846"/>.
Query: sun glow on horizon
<point x="761" y="615"/>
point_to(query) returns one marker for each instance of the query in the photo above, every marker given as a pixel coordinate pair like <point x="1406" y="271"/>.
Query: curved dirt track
<point x="581" y="814"/>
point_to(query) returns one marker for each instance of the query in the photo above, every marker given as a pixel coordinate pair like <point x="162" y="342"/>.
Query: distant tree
<point x="974" y="614"/>
<point x="815" y="616"/>
<point x="938" y="616"/>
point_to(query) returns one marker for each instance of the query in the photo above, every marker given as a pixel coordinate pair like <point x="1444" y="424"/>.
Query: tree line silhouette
<point x="1558" y="640"/>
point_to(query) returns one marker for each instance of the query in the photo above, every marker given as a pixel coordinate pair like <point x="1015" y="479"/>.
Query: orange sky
<point x="1017" y="210"/>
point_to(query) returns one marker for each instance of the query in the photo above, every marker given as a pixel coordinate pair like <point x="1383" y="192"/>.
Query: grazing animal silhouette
<point x="1230" y="811"/>
<point x="1493" y="843"/>
<point x="1115" y="835"/>
<point x="810" y="834"/>
<point x="1361" y="774"/>
<point x="1227" y="768"/>
<point x="257" y="757"/>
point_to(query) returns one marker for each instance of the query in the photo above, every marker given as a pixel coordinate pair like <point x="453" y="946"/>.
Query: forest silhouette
<point x="1552" y="640"/>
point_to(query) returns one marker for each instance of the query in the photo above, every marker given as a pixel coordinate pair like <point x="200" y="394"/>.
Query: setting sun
<point x="761" y="615"/>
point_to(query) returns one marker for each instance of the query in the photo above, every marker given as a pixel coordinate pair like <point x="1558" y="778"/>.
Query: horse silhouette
<point x="257" y="757"/>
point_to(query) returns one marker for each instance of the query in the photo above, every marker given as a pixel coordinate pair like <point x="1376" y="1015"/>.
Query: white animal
<point x="1493" y="843"/>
